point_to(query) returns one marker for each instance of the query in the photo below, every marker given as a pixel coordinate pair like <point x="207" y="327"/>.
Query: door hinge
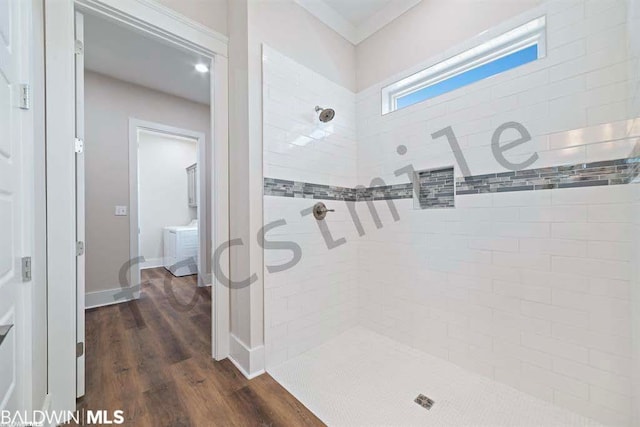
<point x="79" y="248"/>
<point x="79" y="349"/>
<point x="26" y="269"/>
<point x="79" y="145"/>
<point x="79" y="47"/>
<point x="25" y="96"/>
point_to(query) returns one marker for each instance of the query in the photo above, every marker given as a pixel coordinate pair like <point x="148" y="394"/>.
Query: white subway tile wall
<point x="317" y="299"/>
<point x="532" y="303"/>
<point x="530" y="288"/>
<point x="574" y="106"/>
<point x="296" y="145"/>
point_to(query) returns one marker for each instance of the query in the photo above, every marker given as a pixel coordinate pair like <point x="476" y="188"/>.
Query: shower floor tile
<point x="361" y="378"/>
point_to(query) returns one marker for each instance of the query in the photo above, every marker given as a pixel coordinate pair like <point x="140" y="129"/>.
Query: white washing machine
<point x="181" y="247"/>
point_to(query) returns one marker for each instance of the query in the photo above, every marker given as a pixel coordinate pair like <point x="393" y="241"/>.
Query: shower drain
<point x="424" y="401"/>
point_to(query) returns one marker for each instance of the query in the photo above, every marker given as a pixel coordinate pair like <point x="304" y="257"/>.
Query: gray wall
<point x="210" y="13"/>
<point x="289" y="28"/>
<point x="109" y="104"/>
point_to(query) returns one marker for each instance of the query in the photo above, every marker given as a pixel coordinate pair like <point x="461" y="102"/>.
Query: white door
<point x="80" y="205"/>
<point x="13" y="244"/>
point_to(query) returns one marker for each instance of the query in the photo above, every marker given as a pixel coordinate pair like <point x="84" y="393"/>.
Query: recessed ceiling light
<point x="202" y="68"/>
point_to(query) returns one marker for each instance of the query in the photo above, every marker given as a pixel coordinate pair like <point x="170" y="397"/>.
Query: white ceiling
<point x="125" y="54"/>
<point x="357" y="11"/>
<point x="356" y="20"/>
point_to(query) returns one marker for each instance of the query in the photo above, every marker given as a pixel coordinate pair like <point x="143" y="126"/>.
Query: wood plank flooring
<point x="152" y="359"/>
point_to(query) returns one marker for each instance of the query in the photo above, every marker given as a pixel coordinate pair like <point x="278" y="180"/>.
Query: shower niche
<point x="434" y="188"/>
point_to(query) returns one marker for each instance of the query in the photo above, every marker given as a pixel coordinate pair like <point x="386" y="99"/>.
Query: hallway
<point x="151" y="358"/>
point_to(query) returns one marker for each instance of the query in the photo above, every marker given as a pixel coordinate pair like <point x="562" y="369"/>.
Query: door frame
<point x="81" y="264"/>
<point x="136" y="125"/>
<point x="164" y="24"/>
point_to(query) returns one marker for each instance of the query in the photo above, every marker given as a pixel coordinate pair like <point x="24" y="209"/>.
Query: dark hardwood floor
<point x="151" y="358"/>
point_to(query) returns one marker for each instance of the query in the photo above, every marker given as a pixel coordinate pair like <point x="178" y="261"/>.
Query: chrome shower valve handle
<point x="320" y="211"/>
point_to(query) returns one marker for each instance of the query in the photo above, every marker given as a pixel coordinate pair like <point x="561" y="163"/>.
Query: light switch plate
<point x="121" y="211"/>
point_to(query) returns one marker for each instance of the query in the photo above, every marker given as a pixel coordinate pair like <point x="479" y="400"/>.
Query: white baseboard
<point x="206" y="280"/>
<point x="249" y="361"/>
<point x="109" y="297"/>
<point x="46" y="403"/>
<point x="46" y="407"/>
<point x="152" y="263"/>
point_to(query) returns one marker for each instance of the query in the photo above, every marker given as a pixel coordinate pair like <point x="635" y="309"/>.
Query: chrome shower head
<point x="326" y="114"/>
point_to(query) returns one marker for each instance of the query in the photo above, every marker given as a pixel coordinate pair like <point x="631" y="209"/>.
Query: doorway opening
<point x="168" y="199"/>
<point x="66" y="303"/>
<point x="143" y="203"/>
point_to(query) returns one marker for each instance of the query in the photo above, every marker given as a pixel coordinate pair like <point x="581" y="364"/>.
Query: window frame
<point x="531" y="33"/>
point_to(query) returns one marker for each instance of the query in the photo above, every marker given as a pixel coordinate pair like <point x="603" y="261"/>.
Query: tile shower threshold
<point x="361" y="378"/>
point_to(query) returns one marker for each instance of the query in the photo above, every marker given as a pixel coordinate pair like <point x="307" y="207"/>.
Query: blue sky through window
<point x="513" y="60"/>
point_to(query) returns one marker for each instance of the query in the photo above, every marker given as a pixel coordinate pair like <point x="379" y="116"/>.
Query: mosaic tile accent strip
<point x="387" y="192"/>
<point x="610" y="172"/>
<point x="285" y="188"/>
<point x="435" y="188"/>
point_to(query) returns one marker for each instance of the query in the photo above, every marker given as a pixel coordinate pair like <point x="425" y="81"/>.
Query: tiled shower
<point x="528" y="278"/>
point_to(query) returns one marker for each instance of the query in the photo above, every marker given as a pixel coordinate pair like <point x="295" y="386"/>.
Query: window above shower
<point x="519" y="46"/>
